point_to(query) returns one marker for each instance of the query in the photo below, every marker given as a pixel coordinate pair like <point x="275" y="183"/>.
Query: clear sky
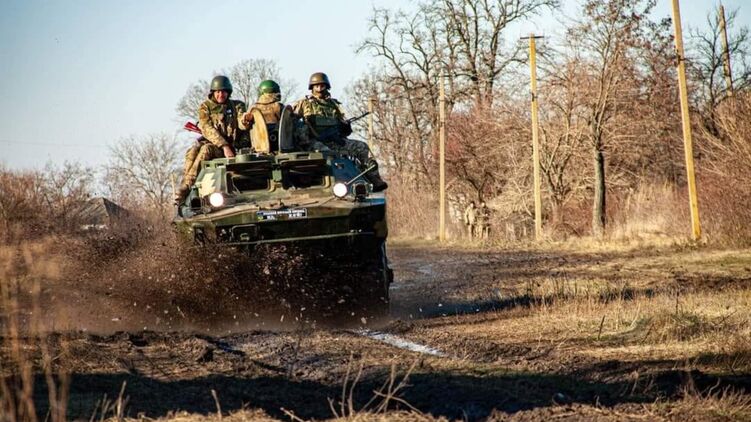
<point x="76" y="75"/>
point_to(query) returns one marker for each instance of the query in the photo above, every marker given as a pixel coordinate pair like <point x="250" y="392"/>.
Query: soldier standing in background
<point x="470" y="220"/>
<point x="326" y="128"/>
<point x="483" y="220"/>
<point x="220" y="121"/>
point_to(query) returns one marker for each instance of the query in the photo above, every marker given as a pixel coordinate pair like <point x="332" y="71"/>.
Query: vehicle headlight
<point x="216" y="199"/>
<point x="340" y="190"/>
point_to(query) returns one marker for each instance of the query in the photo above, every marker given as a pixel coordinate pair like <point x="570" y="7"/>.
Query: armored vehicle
<point x="276" y="194"/>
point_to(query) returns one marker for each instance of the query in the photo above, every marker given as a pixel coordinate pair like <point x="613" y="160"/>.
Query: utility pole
<point x="535" y="135"/>
<point x="442" y="166"/>
<point x="725" y="52"/>
<point x="686" y="118"/>
<point x="371" y="100"/>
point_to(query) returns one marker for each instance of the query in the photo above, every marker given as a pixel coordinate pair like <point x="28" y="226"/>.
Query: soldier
<point x="483" y="220"/>
<point x="270" y="105"/>
<point x="220" y="120"/>
<point x="470" y="220"/>
<point x="326" y="128"/>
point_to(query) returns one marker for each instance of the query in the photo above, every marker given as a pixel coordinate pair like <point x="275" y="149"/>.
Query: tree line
<point x="610" y="120"/>
<point x="610" y="117"/>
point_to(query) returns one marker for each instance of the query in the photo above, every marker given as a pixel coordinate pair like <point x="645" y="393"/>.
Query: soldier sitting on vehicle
<point x="326" y="129"/>
<point x="268" y="107"/>
<point x="220" y="121"/>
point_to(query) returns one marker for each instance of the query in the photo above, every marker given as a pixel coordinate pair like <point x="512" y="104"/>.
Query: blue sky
<point x="77" y="75"/>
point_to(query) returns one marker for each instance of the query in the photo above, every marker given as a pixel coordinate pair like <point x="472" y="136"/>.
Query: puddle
<point x="399" y="342"/>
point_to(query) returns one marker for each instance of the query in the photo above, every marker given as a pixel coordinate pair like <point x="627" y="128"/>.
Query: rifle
<point x="334" y="130"/>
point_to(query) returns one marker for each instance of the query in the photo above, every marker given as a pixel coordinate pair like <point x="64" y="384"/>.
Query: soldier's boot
<point x="378" y="183"/>
<point x="375" y="178"/>
<point x="181" y="194"/>
<point x="183" y="190"/>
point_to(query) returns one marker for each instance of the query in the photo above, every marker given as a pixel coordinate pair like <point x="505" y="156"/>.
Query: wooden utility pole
<point x="371" y="100"/>
<point x="535" y="135"/>
<point x="442" y="149"/>
<point x="686" y="118"/>
<point x="725" y="52"/>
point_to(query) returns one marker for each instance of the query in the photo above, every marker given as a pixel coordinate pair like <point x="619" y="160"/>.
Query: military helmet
<point x="319" y="78"/>
<point x="221" y="83"/>
<point x="268" y="87"/>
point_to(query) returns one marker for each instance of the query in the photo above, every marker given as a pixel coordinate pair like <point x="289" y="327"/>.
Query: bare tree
<point x="606" y="40"/>
<point x="463" y="37"/>
<point x="706" y="65"/>
<point x="245" y="77"/>
<point x="47" y="199"/>
<point x="63" y="188"/>
<point x="405" y="88"/>
<point x="475" y="33"/>
<point x="18" y="203"/>
<point x="248" y="74"/>
<point x="187" y="107"/>
<point x="563" y="132"/>
<point x="140" y="170"/>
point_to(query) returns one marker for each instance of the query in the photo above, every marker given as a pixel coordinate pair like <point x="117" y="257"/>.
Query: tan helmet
<point x="319" y="78"/>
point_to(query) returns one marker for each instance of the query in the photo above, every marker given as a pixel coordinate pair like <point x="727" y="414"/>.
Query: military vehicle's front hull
<point x="249" y="225"/>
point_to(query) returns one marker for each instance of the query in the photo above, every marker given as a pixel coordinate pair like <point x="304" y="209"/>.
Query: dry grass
<point x="30" y="352"/>
<point x="623" y="322"/>
<point x="715" y="404"/>
<point x="639" y="315"/>
<point x="406" y="209"/>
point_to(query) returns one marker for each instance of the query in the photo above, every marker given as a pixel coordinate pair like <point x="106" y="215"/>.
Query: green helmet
<point x="268" y="87"/>
<point x="221" y="83"/>
<point x="319" y="78"/>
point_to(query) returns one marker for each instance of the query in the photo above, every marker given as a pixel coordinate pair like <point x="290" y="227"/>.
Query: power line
<point x="7" y="141"/>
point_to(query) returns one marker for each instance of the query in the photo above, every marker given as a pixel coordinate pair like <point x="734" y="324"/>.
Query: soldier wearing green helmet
<point x="220" y="121"/>
<point x="323" y="114"/>
<point x="269" y="103"/>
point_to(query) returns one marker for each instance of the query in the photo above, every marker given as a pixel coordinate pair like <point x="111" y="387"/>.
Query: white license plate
<point x="287" y="214"/>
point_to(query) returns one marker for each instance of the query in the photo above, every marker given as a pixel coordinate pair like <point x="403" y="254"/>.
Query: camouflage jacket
<point x="221" y="123"/>
<point x="470" y="215"/>
<point x="319" y="113"/>
<point x="483" y="215"/>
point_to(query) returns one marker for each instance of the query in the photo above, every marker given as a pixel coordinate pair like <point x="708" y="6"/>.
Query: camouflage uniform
<point x="483" y="221"/>
<point x="326" y="128"/>
<point x="325" y="117"/>
<point x="470" y="220"/>
<point x="221" y="125"/>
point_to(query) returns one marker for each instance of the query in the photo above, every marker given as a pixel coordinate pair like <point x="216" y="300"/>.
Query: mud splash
<point x="144" y="278"/>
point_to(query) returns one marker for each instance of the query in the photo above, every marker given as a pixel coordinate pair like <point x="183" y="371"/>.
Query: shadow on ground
<point x="465" y="396"/>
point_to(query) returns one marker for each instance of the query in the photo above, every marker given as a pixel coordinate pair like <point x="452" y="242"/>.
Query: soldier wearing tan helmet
<point x="327" y="129"/>
<point x="220" y="120"/>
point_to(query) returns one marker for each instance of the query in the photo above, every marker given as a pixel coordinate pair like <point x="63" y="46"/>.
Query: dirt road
<point x="473" y="335"/>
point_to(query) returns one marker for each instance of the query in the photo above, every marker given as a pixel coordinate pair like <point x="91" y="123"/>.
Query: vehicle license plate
<point x="287" y="214"/>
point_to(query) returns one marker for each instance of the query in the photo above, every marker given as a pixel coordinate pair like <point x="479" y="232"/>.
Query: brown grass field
<point x="591" y="331"/>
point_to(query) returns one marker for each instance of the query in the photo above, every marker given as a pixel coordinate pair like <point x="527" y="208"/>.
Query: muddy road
<point x="472" y="335"/>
